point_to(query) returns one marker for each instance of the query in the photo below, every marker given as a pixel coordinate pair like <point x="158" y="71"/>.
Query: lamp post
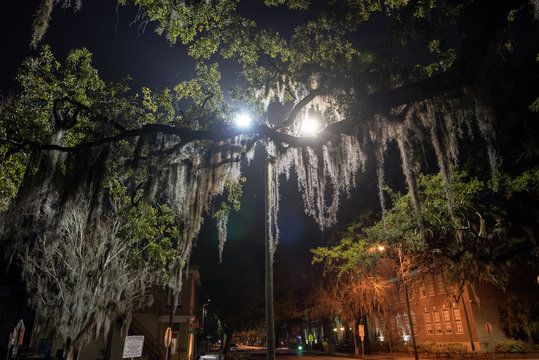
<point x="243" y="120"/>
<point x="309" y="127"/>
<point x="268" y="258"/>
<point x="381" y="249"/>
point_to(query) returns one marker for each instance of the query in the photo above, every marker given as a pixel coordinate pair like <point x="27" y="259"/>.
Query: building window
<point x="422" y="290"/>
<point x="440" y="283"/>
<point x="458" y="321"/>
<point x="428" y="323"/>
<point x="401" y="293"/>
<point x="437" y="322"/>
<point x="395" y="295"/>
<point x="393" y="323"/>
<point x="380" y="329"/>
<point x="400" y="327"/>
<point x="411" y="291"/>
<point x="406" y="324"/>
<point x="447" y="321"/>
<point x="414" y="322"/>
<point x="430" y="286"/>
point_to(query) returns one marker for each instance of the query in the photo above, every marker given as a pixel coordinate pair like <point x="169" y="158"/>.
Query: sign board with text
<point x="361" y="329"/>
<point x="133" y="346"/>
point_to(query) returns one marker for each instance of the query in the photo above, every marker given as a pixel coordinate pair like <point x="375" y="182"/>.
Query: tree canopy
<point x="439" y="84"/>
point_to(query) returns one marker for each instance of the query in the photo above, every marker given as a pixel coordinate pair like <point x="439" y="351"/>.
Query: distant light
<point x="310" y="126"/>
<point x="335" y="329"/>
<point x="300" y="347"/>
<point x="381" y="248"/>
<point x="342" y="329"/>
<point x="243" y="120"/>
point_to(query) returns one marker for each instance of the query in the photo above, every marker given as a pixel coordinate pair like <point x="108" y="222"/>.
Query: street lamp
<point x="243" y="120"/>
<point x="309" y="127"/>
<point x="381" y="248"/>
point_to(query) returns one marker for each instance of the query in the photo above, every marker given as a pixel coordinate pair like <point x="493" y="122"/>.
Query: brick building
<point x="437" y="317"/>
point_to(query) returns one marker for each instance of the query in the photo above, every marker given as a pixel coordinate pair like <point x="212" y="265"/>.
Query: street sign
<point x="168" y="337"/>
<point x="361" y="330"/>
<point x="133" y="346"/>
<point x="311" y="338"/>
<point x="18" y="334"/>
<point x="16" y="337"/>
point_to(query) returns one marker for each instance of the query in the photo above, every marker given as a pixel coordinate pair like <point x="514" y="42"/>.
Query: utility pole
<point x="270" y="326"/>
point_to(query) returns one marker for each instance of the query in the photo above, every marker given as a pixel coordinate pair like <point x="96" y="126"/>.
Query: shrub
<point x="403" y="348"/>
<point x="428" y="347"/>
<point x="510" y="346"/>
<point x="453" y="348"/>
<point x="380" y="346"/>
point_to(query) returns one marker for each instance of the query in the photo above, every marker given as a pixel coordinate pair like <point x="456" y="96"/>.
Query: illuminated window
<point x="437" y="322"/>
<point x="380" y="326"/>
<point x="406" y="324"/>
<point x="400" y="325"/>
<point x="447" y="321"/>
<point x="428" y="323"/>
<point x="458" y="321"/>
<point x="440" y="283"/>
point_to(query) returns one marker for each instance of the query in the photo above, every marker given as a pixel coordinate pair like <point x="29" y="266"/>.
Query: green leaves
<point x="475" y="242"/>
<point x="150" y="231"/>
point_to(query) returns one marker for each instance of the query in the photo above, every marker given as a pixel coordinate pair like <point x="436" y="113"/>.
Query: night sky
<point x="120" y="48"/>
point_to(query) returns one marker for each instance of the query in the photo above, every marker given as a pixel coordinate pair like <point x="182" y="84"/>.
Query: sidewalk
<point x="423" y="356"/>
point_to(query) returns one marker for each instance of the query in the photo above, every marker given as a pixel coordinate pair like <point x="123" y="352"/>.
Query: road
<point x="306" y="355"/>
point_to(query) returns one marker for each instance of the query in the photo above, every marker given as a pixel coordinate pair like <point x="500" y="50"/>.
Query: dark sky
<point x="122" y="48"/>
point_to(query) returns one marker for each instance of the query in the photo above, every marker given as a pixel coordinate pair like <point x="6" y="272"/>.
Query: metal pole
<point x="170" y="320"/>
<point x="408" y="305"/>
<point x="270" y="326"/>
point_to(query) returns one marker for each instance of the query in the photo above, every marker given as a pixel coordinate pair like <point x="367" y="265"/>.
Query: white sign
<point x="133" y="346"/>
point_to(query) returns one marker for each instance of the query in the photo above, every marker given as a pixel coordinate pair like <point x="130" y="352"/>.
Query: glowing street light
<point x="243" y="120"/>
<point x="310" y="126"/>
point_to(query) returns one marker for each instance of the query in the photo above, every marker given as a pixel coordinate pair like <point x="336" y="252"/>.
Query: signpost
<point x="167" y="340"/>
<point x="168" y="337"/>
<point x="133" y="346"/>
<point x="361" y="331"/>
<point x="16" y="338"/>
